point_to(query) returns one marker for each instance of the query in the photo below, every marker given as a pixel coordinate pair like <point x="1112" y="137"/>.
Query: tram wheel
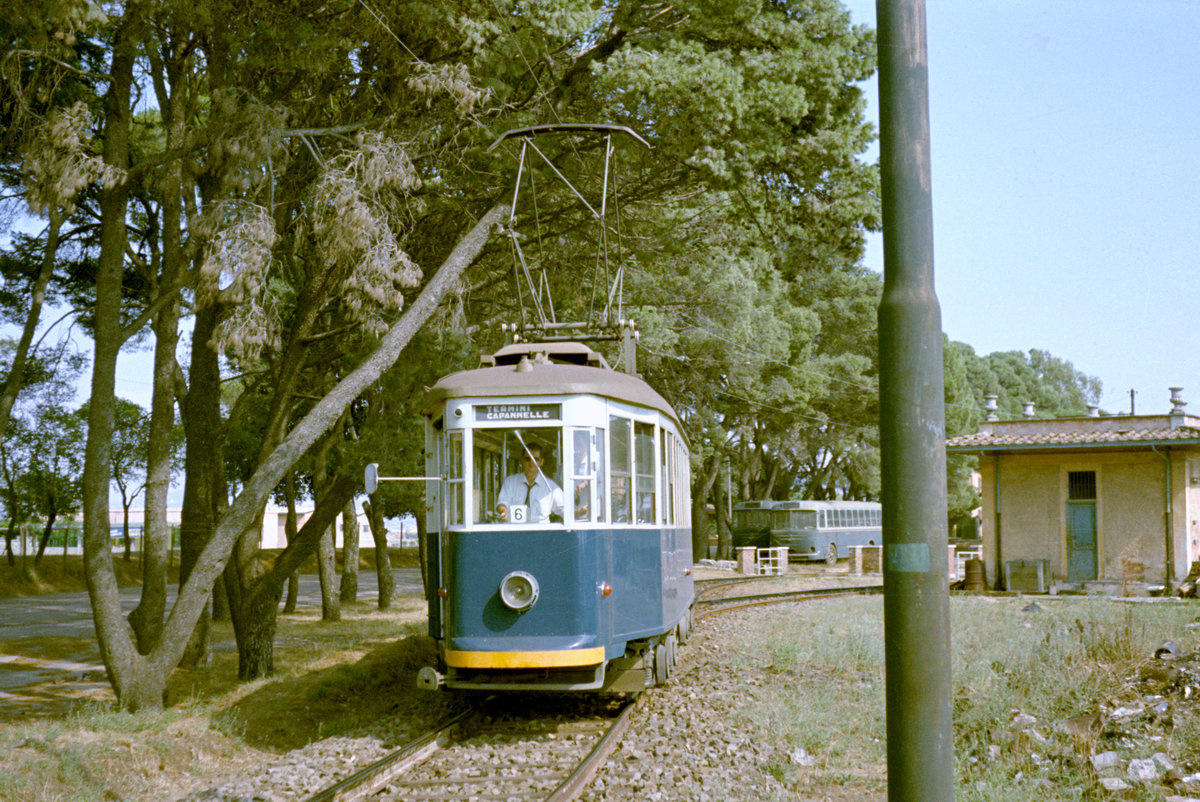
<point x="684" y="629"/>
<point x="831" y="555"/>
<point x="662" y="670"/>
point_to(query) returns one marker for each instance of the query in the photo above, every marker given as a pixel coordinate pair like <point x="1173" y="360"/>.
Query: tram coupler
<point x="430" y="679"/>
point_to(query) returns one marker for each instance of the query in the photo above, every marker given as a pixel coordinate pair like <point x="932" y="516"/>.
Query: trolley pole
<point x="916" y="607"/>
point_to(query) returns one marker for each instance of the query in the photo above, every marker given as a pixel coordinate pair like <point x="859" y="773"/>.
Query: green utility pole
<point x="916" y="605"/>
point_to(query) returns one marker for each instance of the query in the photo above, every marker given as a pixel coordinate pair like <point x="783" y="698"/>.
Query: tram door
<point x="1081" y="525"/>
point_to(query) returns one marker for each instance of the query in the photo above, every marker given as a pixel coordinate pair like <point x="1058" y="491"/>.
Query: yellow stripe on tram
<point x="560" y="658"/>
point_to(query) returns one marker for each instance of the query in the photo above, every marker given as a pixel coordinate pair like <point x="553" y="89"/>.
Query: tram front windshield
<point x="517" y="475"/>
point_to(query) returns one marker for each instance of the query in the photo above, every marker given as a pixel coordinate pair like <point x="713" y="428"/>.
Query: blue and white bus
<point x="825" y="530"/>
<point x="752" y="522"/>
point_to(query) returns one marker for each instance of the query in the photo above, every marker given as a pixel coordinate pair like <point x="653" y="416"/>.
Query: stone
<point x="801" y="757"/>
<point x="1106" y="760"/>
<point x="1142" y="770"/>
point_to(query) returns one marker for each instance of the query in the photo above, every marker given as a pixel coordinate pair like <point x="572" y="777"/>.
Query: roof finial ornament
<point x="989" y="406"/>
<point x="1177" y="401"/>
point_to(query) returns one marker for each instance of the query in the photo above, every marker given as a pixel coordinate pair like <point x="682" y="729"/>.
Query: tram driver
<point x="542" y="498"/>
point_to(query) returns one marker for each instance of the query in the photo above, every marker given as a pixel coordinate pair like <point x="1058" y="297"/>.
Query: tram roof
<point x="548" y="372"/>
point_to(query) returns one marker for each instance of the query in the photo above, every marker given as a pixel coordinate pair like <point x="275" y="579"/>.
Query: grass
<point x="1058" y="664"/>
<point x="332" y="677"/>
<point x="815" y="681"/>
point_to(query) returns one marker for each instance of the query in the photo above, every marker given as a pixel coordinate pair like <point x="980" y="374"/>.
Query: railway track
<point x="531" y="746"/>
<point x="709" y="606"/>
<point x="502" y="748"/>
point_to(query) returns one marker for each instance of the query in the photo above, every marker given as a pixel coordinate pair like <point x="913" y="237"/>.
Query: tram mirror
<point x="372" y="477"/>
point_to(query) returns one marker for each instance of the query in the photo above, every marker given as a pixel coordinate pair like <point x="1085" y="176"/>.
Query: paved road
<point x="63" y="622"/>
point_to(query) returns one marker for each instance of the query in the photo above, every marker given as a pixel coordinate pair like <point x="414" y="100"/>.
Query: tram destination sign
<point x="526" y="412"/>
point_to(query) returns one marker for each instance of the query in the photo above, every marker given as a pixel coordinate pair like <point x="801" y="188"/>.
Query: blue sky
<point x="1066" y="184"/>
<point x="1066" y="187"/>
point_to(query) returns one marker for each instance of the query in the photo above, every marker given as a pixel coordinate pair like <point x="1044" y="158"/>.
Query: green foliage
<point x="1053" y="384"/>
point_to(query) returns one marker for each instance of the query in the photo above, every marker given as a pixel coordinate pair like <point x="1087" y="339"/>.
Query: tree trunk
<point x="256" y="637"/>
<point x="253" y="608"/>
<point x="289" y="528"/>
<point x="16" y="371"/>
<point x="125" y="532"/>
<point x="721" y="508"/>
<point x="331" y="609"/>
<point x="383" y="559"/>
<point x="257" y="599"/>
<point x="135" y="684"/>
<point x="700" y="493"/>
<point x="220" y="600"/>
<point x="772" y="477"/>
<point x="147" y="617"/>
<point x="423" y="549"/>
<point x="348" y="592"/>
<point x="204" y="472"/>
<point x="46" y="532"/>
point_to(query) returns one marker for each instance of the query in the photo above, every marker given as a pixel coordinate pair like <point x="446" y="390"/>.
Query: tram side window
<point x="665" y="469"/>
<point x="682" y="483"/>
<point x="587" y="473"/>
<point x="620" y="433"/>
<point x="453" y="469"/>
<point x="643" y="440"/>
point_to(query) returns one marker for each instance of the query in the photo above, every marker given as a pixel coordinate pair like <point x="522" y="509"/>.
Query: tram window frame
<point x="452" y="468"/>
<point x="587" y="471"/>
<point x="645" y="501"/>
<point x="501" y="451"/>
<point x="683" y="498"/>
<point x="620" y="447"/>
<point x="668" y="509"/>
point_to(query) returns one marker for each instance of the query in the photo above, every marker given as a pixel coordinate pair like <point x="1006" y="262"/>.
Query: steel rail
<point x="585" y="772"/>
<point x="370" y="779"/>
<point x="739" y="602"/>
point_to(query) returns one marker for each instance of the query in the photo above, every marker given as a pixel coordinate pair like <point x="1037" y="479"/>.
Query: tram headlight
<point x="518" y="591"/>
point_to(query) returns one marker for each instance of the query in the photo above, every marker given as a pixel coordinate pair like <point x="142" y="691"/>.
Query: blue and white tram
<point x="825" y="530"/>
<point x="593" y="596"/>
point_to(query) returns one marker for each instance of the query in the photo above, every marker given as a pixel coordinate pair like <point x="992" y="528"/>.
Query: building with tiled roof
<point x="1091" y="499"/>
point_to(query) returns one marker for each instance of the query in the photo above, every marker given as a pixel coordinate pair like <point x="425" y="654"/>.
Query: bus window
<point x="622" y="468"/>
<point x="643" y="442"/>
